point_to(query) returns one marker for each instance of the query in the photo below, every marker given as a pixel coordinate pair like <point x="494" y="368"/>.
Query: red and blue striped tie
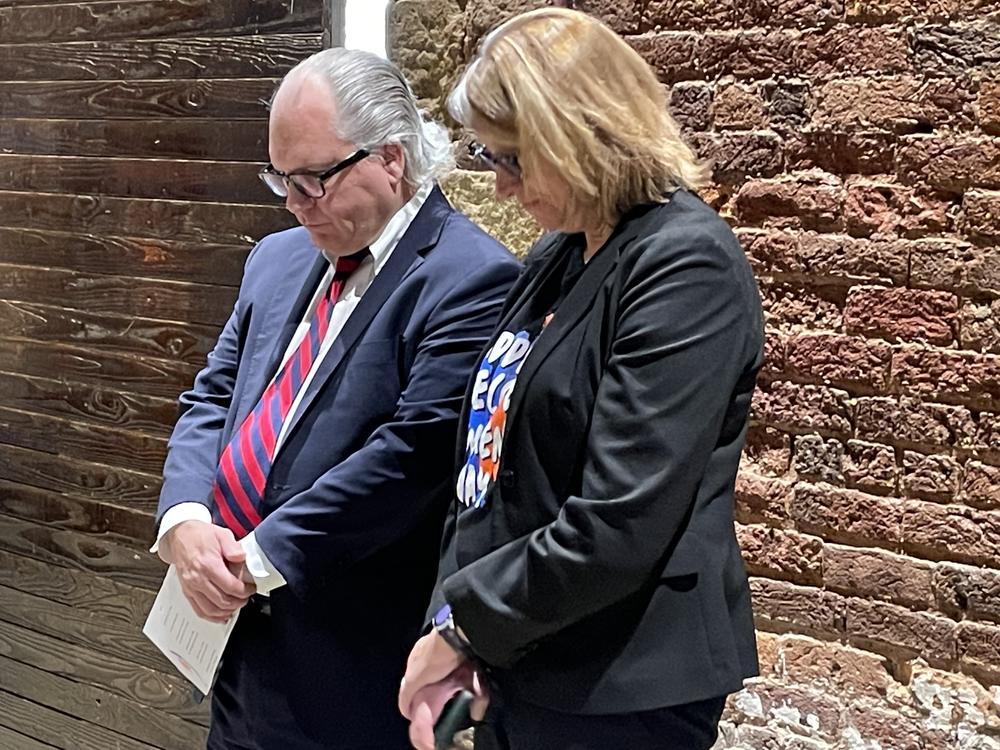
<point x="246" y="461"/>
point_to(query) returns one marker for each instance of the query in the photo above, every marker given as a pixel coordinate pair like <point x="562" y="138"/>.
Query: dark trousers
<point x="521" y="726"/>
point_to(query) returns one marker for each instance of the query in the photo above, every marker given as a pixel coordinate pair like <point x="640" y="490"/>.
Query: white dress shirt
<point x="266" y="576"/>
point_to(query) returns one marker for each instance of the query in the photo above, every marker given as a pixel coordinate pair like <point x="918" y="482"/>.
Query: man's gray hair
<point x="376" y="107"/>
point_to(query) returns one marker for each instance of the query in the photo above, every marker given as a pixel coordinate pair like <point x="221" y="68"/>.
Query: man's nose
<point x="295" y="200"/>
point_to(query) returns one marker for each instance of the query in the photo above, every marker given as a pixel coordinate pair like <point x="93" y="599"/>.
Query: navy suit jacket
<point x="356" y="496"/>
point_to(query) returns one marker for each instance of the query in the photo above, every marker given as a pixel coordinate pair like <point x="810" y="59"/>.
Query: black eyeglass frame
<point x="506" y="162"/>
<point x="288" y="178"/>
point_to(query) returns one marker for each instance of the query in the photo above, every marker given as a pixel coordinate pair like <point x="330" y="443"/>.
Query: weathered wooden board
<point x="61" y="731"/>
<point x="201" y="262"/>
<point x="177" y="221"/>
<point x="99" y="706"/>
<point x="150" y="415"/>
<point x="201" y="139"/>
<point x="135" y="178"/>
<point x="101" y="555"/>
<point x="144" y="19"/>
<point x="209" y="57"/>
<point x="119" y="295"/>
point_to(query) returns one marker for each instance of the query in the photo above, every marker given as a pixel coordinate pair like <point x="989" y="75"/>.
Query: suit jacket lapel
<point x="266" y="361"/>
<point x="420" y="236"/>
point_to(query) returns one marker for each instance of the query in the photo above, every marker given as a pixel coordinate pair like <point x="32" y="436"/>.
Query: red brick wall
<point x="857" y="155"/>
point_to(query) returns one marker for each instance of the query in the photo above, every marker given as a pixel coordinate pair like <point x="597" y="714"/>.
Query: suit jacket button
<point x="507" y="477"/>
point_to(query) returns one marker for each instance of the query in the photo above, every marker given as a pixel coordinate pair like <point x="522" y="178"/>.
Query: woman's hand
<point x="430" y="700"/>
<point x="430" y="661"/>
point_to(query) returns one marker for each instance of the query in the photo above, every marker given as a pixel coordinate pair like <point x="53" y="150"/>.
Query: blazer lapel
<point x="267" y="360"/>
<point x="420" y="236"/>
<point x="578" y="303"/>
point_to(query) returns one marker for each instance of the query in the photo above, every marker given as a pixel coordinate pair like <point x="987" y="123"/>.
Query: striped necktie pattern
<point x="246" y="461"/>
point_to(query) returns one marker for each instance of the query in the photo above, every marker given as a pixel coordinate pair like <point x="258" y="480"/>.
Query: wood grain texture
<point x="121" y="644"/>
<point x="89" y="443"/>
<point x="131" y="298"/>
<point x="158" y="690"/>
<point x="135" y="178"/>
<point x="145" y="376"/>
<point x="266" y="56"/>
<point x="128" y="526"/>
<point x="99" y="706"/>
<point x="138" y="99"/>
<point x="202" y="138"/>
<point x="187" y="342"/>
<point x="143" y="19"/>
<point x="10" y="738"/>
<point x="61" y="731"/>
<point x="201" y="262"/>
<point x="126" y="564"/>
<point x="176" y="221"/>
<point x="150" y="415"/>
<point x="21" y="461"/>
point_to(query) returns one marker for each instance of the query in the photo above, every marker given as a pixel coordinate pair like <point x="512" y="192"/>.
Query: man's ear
<point x="395" y="161"/>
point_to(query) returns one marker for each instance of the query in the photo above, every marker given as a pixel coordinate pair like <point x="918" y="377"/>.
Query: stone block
<point x="899" y="633"/>
<point x="819" y="459"/>
<point x="738" y="106"/>
<point x="981" y="214"/>
<point x="878" y="574"/>
<point x="870" y="467"/>
<point x="472" y="193"/>
<point x="981" y="485"/>
<point x="781" y="554"/>
<point x="846" y="516"/>
<point x="888" y="210"/>
<point x="839" y="360"/>
<point x="909" y="422"/>
<point x="803" y="408"/>
<point x="979" y="326"/>
<point x="762" y="499"/>
<point x="950" y="163"/>
<point x="808" y="201"/>
<point x="902" y="104"/>
<point x="946" y="374"/>
<point x="966" y="591"/>
<point x="902" y="314"/>
<point x="930" y="477"/>
<point x="783" y="607"/>
<point x="954" y="265"/>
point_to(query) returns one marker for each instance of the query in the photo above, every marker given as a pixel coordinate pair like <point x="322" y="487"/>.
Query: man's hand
<point x="206" y="557"/>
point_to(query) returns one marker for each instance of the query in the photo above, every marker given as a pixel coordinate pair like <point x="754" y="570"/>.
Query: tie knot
<point x="348" y="264"/>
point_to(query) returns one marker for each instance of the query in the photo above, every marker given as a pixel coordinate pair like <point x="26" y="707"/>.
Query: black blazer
<point x="603" y="573"/>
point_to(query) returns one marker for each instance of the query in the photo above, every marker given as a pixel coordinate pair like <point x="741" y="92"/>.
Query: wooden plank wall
<point x="130" y="136"/>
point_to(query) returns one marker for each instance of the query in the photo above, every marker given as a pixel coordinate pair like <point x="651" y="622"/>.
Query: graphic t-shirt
<point x="497" y="374"/>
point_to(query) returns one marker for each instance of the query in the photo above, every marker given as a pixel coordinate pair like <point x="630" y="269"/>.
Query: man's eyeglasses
<point x="310" y="184"/>
<point x="507" y="162"/>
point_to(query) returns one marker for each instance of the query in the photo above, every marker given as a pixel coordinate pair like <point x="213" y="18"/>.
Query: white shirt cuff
<point x="178" y="514"/>
<point x="265" y="575"/>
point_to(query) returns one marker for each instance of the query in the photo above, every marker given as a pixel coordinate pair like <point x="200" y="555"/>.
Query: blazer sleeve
<point x="383" y="490"/>
<point x="193" y="449"/>
<point x="688" y="329"/>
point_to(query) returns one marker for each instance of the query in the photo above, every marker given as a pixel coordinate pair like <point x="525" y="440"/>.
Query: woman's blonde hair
<point x="559" y="86"/>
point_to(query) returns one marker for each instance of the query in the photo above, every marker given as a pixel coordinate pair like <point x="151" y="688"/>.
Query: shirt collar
<point x="381" y="248"/>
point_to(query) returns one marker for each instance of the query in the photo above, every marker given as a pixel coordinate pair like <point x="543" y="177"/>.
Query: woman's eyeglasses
<point x="507" y="162"/>
<point x="310" y="184"/>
